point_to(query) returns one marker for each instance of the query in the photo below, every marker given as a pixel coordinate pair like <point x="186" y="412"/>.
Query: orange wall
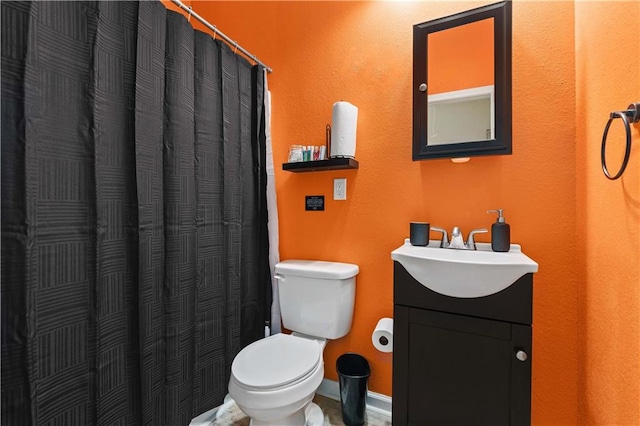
<point x="608" y="79"/>
<point x="361" y="52"/>
<point x="172" y="6"/>
<point x="568" y="74"/>
<point x="461" y="57"/>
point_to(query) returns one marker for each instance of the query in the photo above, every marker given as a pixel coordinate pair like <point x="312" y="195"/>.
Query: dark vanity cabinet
<point x="461" y="361"/>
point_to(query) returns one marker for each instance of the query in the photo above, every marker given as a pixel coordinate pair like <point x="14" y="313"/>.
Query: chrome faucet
<point x="444" y="242"/>
<point x="471" y="242"/>
<point x="457" y="242"/>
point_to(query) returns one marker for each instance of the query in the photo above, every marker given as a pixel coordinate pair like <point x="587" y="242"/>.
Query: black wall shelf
<point x="320" y="165"/>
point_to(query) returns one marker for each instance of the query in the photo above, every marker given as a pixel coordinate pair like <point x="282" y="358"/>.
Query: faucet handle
<point x="445" y="237"/>
<point x="471" y="243"/>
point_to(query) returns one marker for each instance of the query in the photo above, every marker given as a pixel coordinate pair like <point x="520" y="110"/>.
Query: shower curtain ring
<point x="235" y="51"/>
<point x="189" y="17"/>
<point x="215" y="32"/>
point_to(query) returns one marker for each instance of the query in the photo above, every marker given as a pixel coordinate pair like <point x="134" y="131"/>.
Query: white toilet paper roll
<point x="344" y="122"/>
<point x="382" y="336"/>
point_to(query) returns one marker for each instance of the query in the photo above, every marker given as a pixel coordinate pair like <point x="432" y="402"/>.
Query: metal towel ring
<point x="631" y="114"/>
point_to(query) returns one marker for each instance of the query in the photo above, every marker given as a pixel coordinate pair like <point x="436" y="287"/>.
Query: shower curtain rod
<point x="220" y="33"/>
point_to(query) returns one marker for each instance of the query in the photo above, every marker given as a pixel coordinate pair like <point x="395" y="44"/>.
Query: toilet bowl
<point x="274" y="380"/>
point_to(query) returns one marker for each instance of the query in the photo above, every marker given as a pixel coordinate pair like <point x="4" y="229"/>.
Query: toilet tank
<point x="317" y="297"/>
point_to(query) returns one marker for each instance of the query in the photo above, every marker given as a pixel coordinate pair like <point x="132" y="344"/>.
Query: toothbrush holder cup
<point x="419" y="233"/>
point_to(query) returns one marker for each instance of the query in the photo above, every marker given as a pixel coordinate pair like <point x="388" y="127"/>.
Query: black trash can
<point x="353" y="374"/>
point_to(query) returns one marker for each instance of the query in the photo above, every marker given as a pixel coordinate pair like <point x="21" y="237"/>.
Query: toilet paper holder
<point x="328" y="139"/>
<point x="382" y="336"/>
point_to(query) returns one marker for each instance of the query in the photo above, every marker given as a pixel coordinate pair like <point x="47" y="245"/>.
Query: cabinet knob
<point x="521" y="355"/>
<point x="423" y="87"/>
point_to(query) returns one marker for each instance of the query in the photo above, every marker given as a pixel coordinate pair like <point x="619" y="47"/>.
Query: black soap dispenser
<point x="500" y="233"/>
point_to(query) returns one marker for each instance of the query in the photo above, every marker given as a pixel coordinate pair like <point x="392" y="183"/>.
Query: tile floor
<point x="331" y="408"/>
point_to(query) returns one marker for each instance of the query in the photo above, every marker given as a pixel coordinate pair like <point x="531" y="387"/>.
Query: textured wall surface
<point x="361" y="52"/>
<point x="586" y="287"/>
<point x="608" y="79"/>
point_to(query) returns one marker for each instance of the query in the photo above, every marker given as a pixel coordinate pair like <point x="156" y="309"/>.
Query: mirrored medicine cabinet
<point x="462" y="84"/>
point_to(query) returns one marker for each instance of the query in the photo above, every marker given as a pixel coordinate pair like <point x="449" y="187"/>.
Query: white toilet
<point x="274" y="379"/>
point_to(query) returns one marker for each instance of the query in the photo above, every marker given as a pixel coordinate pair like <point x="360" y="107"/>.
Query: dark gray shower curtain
<point x="134" y="249"/>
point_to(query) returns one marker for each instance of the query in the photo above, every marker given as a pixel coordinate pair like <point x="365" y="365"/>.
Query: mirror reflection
<point x="460" y="70"/>
<point x="462" y="84"/>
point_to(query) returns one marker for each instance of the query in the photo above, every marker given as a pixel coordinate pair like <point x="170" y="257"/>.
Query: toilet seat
<point x="276" y="361"/>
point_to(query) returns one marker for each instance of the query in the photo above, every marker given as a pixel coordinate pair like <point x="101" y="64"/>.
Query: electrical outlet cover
<point x="340" y="189"/>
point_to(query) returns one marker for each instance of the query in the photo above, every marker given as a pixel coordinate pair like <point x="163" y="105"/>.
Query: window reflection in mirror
<point x="460" y="70"/>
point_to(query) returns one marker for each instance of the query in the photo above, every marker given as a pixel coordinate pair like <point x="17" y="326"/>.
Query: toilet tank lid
<point x="317" y="269"/>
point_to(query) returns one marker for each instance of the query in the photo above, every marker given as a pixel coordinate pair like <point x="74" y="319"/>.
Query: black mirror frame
<point x="501" y="145"/>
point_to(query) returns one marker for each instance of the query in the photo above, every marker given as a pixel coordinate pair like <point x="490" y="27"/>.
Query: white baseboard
<point x="375" y="401"/>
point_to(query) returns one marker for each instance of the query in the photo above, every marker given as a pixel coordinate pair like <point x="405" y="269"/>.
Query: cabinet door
<point x="460" y="370"/>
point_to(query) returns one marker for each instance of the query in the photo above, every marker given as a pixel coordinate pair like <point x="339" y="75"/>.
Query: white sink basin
<point x="463" y="273"/>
